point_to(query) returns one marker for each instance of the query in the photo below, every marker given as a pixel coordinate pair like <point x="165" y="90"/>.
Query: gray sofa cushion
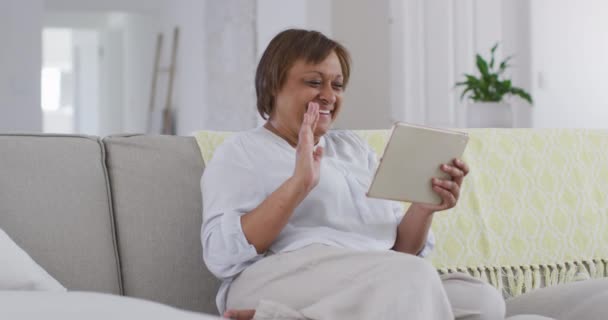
<point x="54" y="203"/>
<point x="155" y="182"/>
<point x="575" y="300"/>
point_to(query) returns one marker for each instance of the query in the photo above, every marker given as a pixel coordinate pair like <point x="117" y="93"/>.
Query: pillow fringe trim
<point x="513" y="281"/>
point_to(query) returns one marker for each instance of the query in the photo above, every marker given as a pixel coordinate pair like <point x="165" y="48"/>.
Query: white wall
<point x="139" y="44"/>
<point x="132" y="6"/>
<point x="319" y="15"/>
<point x="517" y="41"/>
<point x="86" y="84"/>
<point x="75" y="19"/>
<point x="190" y="82"/>
<point x="367" y="98"/>
<point x="274" y="16"/>
<point x="439" y="63"/>
<point x="20" y="65"/>
<point x="230" y="63"/>
<point x="569" y="54"/>
<point x="111" y="80"/>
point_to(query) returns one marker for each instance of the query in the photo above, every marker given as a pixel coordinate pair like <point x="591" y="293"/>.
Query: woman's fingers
<point x="318" y="153"/>
<point x="449" y="185"/>
<point x="457" y="170"/>
<point x="448" y="190"/>
<point x="311" y="117"/>
<point x="462" y="166"/>
<point x="456" y="174"/>
<point x="309" y="123"/>
<point x="305" y="138"/>
<point x="449" y="200"/>
<point x="315" y="114"/>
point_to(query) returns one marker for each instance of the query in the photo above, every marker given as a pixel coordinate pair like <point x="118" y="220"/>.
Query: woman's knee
<point x="472" y="298"/>
<point x="492" y="304"/>
<point x="410" y="270"/>
<point x="415" y="264"/>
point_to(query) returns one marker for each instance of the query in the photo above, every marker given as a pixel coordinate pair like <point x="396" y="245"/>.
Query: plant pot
<point x="489" y="115"/>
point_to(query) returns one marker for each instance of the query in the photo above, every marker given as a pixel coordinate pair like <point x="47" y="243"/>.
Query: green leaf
<point x="482" y="65"/>
<point x="464" y="92"/>
<point x="494" y="48"/>
<point x="522" y="94"/>
<point x="492" y="55"/>
<point x="504" y="65"/>
<point x="472" y="79"/>
<point x="505" y="87"/>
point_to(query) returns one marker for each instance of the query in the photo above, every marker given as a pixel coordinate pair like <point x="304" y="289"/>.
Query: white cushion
<point x="73" y="305"/>
<point x="19" y="272"/>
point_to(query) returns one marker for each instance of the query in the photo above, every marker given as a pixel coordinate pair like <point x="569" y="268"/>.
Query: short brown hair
<point x="280" y="55"/>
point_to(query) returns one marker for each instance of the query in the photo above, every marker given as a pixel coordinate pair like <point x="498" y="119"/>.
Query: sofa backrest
<point x="55" y="204"/>
<point x="155" y="182"/>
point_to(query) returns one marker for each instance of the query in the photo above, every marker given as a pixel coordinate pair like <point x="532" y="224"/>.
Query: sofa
<point x="121" y="215"/>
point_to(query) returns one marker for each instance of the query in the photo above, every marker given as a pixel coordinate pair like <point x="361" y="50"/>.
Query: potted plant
<point x="487" y="92"/>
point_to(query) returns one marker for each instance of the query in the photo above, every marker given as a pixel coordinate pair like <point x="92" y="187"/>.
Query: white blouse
<point x="251" y="165"/>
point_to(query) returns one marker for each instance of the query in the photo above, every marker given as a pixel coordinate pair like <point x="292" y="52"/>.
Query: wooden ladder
<point x="162" y="121"/>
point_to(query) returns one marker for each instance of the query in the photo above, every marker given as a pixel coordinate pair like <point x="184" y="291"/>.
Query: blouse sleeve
<point x="229" y="190"/>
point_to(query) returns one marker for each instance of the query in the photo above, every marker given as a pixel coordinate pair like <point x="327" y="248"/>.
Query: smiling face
<point x="305" y="82"/>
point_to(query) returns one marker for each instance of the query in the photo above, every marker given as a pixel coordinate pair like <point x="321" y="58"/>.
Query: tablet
<point x="411" y="158"/>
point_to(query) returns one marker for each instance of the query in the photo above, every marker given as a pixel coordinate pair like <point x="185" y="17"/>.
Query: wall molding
<point x="414" y="61"/>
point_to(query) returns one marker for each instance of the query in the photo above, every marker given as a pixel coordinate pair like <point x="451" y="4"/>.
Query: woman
<point x="287" y="225"/>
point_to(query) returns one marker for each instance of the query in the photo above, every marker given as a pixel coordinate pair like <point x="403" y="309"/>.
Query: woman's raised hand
<point x="308" y="159"/>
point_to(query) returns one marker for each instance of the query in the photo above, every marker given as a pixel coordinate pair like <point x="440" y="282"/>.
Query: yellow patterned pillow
<point x="533" y="211"/>
<point x="208" y="141"/>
